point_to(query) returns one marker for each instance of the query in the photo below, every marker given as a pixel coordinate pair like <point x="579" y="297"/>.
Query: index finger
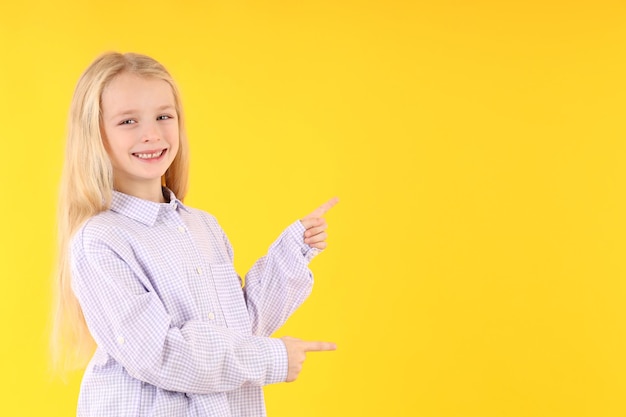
<point x="321" y="210"/>
<point x="318" y="346"/>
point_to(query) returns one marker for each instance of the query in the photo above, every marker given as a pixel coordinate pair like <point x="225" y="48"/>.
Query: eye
<point x="164" y="117"/>
<point x="128" y="122"/>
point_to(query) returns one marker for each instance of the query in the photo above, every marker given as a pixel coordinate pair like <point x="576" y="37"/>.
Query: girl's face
<point x="140" y="131"/>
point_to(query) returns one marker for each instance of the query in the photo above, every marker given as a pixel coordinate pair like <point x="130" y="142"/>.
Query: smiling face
<point x="140" y="131"/>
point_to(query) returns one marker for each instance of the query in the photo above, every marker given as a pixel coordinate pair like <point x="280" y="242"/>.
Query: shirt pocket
<point x="230" y="297"/>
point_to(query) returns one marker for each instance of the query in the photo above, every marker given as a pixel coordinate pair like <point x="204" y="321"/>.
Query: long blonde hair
<point x="86" y="190"/>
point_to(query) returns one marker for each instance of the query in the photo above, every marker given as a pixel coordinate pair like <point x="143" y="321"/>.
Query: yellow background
<point x="476" y="262"/>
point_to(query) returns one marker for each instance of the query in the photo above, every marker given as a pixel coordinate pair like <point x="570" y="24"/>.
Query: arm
<point x="278" y="283"/>
<point x="129" y="322"/>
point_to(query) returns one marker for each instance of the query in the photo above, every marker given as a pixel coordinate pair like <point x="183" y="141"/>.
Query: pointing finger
<point x="321" y="210"/>
<point x="318" y="346"/>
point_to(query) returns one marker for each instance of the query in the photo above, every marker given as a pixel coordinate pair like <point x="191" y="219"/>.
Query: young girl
<point x="148" y="281"/>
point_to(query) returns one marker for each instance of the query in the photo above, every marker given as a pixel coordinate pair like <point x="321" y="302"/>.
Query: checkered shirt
<point x="176" y="333"/>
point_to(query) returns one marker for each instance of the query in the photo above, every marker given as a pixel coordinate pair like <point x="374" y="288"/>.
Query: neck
<point x="152" y="193"/>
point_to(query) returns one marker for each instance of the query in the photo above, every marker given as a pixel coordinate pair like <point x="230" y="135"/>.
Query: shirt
<point x="177" y="335"/>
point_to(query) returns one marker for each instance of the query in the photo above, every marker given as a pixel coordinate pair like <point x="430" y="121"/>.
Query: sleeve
<point x="130" y="323"/>
<point x="278" y="283"/>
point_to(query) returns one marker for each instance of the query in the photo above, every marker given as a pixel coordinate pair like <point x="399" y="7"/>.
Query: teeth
<point x="149" y="155"/>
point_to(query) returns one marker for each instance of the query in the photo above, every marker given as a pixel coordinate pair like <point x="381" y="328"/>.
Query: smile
<point x="152" y="155"/>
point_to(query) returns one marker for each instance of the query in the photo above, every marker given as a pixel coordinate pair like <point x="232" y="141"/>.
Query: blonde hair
<point x="86" y="190"/>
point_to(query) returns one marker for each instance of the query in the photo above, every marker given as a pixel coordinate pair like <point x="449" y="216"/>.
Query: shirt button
<point x="199" y="270"/>
<point x="120" y="340"/>
<point x="181" y="229"/>
<point x="211" y="316"/>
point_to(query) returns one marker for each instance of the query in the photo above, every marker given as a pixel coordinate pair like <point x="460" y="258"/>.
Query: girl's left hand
<point x="315" y="234"/>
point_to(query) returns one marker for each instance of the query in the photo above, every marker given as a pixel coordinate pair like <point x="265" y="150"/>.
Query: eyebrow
<point x="133" y="111"/>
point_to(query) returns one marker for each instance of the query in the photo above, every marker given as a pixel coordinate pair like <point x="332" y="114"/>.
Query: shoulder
<point x="106" y="229"/>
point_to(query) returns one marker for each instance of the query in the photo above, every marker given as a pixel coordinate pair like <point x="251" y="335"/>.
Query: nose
<point x="150" y="133"/>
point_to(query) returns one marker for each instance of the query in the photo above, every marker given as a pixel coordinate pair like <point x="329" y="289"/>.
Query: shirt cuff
<point x="277" y="351"/>
<point x="296" y="231"/>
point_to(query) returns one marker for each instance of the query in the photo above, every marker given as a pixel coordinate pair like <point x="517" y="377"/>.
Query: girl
<point x="149" y="282"/>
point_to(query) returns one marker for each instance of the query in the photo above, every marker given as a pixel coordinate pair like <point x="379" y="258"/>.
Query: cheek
<point x="110" y="150"/>
<point x="117" y="145"/>
<point x="174" y="138"/>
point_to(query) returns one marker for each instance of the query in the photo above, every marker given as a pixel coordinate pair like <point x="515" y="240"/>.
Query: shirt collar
<point x="144" y="211"/>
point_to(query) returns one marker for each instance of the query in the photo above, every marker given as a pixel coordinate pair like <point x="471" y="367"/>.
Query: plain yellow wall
<point x="476" y="263"/>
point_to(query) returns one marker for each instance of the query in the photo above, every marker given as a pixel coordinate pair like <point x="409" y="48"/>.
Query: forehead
<point x="131" y="91"/>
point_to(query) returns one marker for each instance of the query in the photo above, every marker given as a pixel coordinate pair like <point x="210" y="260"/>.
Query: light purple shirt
<point x="176" y="333"/>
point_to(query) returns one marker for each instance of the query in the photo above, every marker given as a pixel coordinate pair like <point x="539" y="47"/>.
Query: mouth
<point x="150" y="155"/>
